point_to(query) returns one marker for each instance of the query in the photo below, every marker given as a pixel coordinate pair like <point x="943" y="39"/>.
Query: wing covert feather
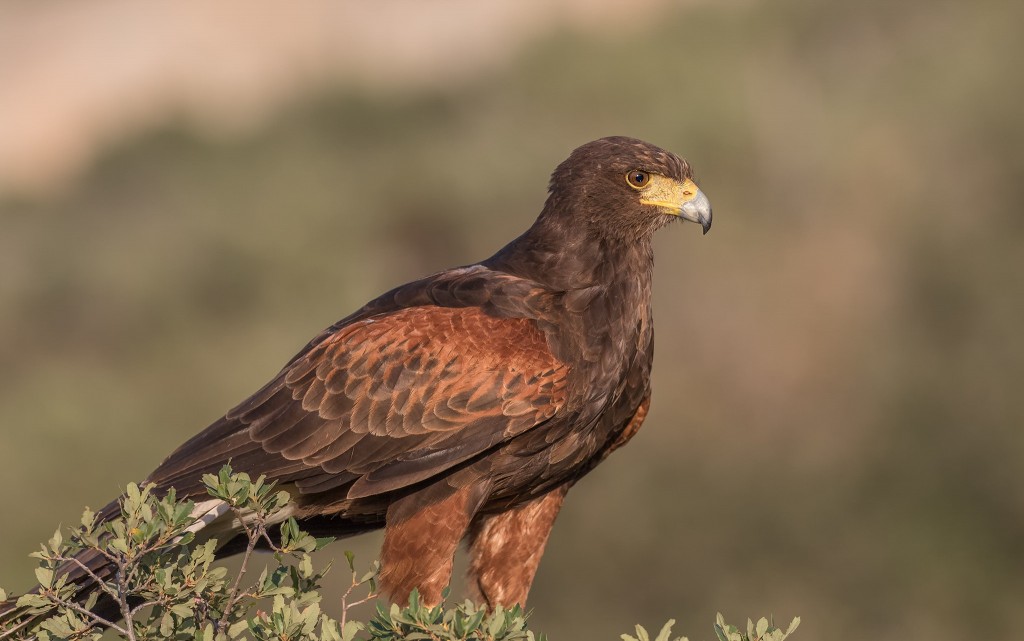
<point x="388" y="401"/>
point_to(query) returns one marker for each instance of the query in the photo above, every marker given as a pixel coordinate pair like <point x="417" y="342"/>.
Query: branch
<point x="71" y="605"/>
<point x="346" y="606"/>
<point x="254" y="536"/>
<point x="122" y="600"/>
<point x="100" y="583"/>
<point x="143" y="605"/>
<point x="4" y="635"/>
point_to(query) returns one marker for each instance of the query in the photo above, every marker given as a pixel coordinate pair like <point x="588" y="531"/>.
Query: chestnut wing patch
<point x="387" y="402"/>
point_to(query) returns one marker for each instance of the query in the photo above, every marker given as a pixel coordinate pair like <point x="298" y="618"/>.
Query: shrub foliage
<point x="164" y="584"/>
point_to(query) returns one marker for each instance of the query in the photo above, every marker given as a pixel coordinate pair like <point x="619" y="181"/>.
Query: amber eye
<point x="638" y="179"/>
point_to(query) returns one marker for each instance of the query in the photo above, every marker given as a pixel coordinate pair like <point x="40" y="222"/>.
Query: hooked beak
<point x="697" y="209"/>
<point x="683" y="199"/>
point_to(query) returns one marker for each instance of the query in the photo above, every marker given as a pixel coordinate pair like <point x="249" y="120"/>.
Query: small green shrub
<point x="763" y="630"/>
<point x="165" y="585"/>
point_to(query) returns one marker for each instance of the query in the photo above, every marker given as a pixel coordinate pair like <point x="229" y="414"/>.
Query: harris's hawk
<point x="465" y="404"/>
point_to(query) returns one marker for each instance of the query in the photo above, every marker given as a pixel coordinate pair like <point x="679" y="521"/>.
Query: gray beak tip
<point x="705" y="223"/>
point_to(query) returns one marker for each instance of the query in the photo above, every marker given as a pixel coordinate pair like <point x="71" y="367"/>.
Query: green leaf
<point x="666" y="630"/>
<point x="237" y="628"/>
<point x="350" y="630"/>
<point x="474" y="621"/>
<point x="183" y="610"/>
<point x="166" y="624"/>
<point x="91" y="600"/>
<point x="793" y="626"/>
<point x="306" y="566"/>
<point x="118" y="544"/>
<point x="310" y="616"/>
<point x="56" y="541"/>
<point x="329" y="629"/>
<point x="44" y="576"/>
<point x="720" y="631"/>
<point x="497" y="625"/>
<point x="58" y="626"/>
<point x="324" y="541"/>
<point x="32" y="601"/>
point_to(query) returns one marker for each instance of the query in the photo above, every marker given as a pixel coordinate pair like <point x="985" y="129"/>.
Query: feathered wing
<point x="383" y="403"/>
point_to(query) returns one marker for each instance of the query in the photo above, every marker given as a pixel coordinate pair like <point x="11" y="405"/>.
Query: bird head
<point x="627" y="188"/>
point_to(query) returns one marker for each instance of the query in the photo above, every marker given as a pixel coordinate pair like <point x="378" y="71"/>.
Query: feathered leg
<point x="422" y="533"/>
<point x="506" y="548"/>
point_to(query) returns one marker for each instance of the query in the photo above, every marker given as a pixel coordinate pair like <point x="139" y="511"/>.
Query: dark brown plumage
<point x="468" y="402"/>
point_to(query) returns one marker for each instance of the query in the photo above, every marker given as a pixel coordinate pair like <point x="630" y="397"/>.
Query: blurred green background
<point x="836" y="424"/>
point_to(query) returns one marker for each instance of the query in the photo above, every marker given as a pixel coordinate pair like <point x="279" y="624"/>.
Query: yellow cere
<point x="668" y="193"/>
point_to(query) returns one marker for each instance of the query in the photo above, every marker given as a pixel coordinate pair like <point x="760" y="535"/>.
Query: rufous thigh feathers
<point x="420" y="542"/>
<point x="505" y="549"/>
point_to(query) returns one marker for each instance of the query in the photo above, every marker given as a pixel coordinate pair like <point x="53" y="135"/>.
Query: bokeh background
<point x="188" y="192"/>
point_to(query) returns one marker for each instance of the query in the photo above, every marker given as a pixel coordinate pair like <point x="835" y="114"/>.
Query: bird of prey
<point x="464" y="405"/>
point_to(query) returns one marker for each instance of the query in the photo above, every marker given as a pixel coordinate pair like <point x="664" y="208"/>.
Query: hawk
<point x="464" y="405"/>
